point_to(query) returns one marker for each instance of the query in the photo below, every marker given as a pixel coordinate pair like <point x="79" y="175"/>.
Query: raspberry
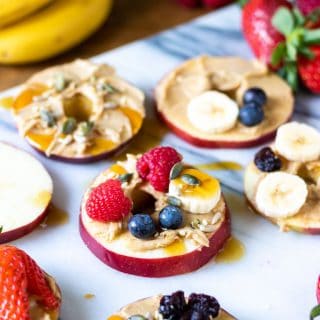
<point x="107" y="202"/>
<point x="155" y="165"/>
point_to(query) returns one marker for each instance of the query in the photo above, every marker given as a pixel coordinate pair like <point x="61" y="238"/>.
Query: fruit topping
<point x="155" y="166"/>
<point x="173" y="306"/>
<point x="21" y="278"/>
<point x="203" y="307"/>
<point x="198" y="307"/>
<point x="251" y="114"/>
<point x="142" y="226"/>
<point x="107" y="202"/>
<point x="197" y="191"/>
<point x="298" y="142"/>
<point x="213" y="112"/>
<point x="170" y="217"/>
<point x="281" y="194"/>
<point x="255" y="95"/>
<point x="267" y="161"/>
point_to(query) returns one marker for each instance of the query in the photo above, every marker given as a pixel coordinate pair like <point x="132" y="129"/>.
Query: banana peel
<point x="50" y="31"/>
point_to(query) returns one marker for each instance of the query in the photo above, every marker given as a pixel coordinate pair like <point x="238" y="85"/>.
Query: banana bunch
<point x="34" y="30"/>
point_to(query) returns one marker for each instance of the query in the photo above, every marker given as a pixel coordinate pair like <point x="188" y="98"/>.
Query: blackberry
<point x="267" y="161"/>
<point x="172" y="307"/>
<point x="202" y="307"/>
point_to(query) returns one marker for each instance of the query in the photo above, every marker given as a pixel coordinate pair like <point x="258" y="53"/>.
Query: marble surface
<point x="276" y="277"/>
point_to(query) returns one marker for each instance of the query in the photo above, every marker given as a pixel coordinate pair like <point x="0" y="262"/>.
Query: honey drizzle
<point x="56" y="216"/>
<point x="233" y="251"/>
<point x="89" y="296"/>
<point x="220" y="165"/>
<point x="176" y="248"/>
<point x="7" y="103"/>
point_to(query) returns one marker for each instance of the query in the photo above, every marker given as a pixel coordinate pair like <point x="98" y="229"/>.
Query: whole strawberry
<point x="315" y="312"/>
<point x="307" y="6"/>
<point x="285" y="39"/>
<point x="20" y="279"/>
<point x="206" y="3"/>
<point x="258" y="29"/>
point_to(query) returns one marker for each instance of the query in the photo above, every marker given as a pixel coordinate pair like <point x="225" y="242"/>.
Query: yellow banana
<point x="52" y="30"/>
<point x="12" y="11"/>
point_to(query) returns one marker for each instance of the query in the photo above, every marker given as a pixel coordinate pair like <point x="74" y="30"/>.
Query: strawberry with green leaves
<point x="315" y="312"/>
<point x="284" y="38"/>
<point x="22" y="281"/>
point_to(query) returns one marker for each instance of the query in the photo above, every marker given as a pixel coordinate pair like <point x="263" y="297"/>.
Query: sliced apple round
<point x="158" y="262"/>
<point x="231" y="76"/>
<point x="78" y="112"/>
<point x="149" y="306"/>
<point x="26" y="191"/>
<point x="307" y="220"/>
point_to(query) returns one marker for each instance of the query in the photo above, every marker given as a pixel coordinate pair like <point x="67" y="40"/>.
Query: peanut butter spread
<point x="149" y="308"/>
<point x="78" y="109"/>
<point x="308" y="217"/>
<point x="229" y="75"/>
<point x="196" y="229"/>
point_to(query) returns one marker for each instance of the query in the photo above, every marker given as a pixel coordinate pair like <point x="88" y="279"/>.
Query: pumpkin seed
<point x="176" y="170"/>
<point x="190" y="179"/>
<point x="47" y="117"/>
<point x="126" y="177"/>
<point x="137" y="317"/>
<point x="86" y="127"/>
<point x="69" y="126"/>
<point x="174" y="201"/>
<point x="60" y="82"/>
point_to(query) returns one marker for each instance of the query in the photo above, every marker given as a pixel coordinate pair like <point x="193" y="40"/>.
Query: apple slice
<point x="150" y="306"/>
<point x="26" y="191"/>
<point x="231" y="76"/>
<point x="305" y="221"/>
<point x="158" y="262"/>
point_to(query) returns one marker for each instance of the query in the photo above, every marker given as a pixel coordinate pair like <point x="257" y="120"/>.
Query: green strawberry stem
<point x="315" y="312"/>
<point x="298" y="39"/>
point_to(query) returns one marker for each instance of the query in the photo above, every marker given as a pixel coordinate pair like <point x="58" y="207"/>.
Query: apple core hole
<point x="78" y="107"/>
<point x="143" y="202"/>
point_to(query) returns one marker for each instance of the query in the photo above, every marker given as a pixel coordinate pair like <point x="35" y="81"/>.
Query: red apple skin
<point x="218" y="144"/>
<point x="310" y="231"/>
<point x="87" y="159"/>
<point x="318" y="290"/>
<point x="23" y="230"/>
<point x="161" y="267"/>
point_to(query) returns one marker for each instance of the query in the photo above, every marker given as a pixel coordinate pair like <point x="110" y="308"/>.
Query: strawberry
<point x="258" y="29"/>
<point x="284" y="38"/>
<point x="318" y="290"/>
<point x="307" y="6"/>
<point x="309" y="70"/>
<point x="206" y="3"/>
<point x="21" y="277"/>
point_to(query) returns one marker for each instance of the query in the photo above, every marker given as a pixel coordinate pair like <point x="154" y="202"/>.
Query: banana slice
<point x="198" y="192"/>
<point x="298" y="142"/>
<point x="213" y="112"/>
<point x="281" y="194"/>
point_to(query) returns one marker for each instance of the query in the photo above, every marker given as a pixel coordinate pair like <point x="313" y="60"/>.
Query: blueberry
<point x="173" y="306"/>
<point x="170" y="217"/>
<point x="267" y="161"/>
<point x="203" y="306"/>
<point x="142" y="226"/>
<point x="255" y="95"/>
<point x="250" y="115"/>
